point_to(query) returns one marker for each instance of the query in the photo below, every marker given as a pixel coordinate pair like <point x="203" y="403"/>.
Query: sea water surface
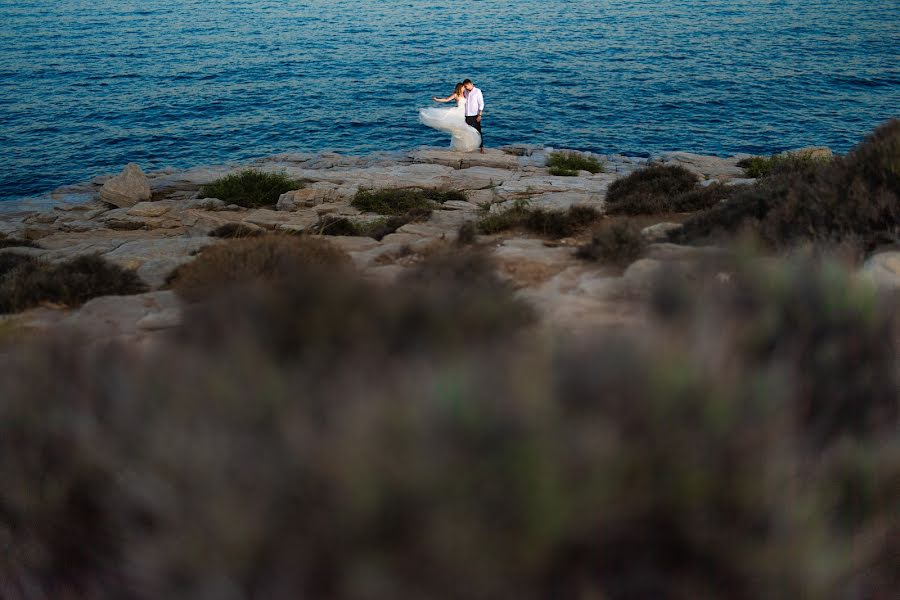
<point x="89" y="85"/>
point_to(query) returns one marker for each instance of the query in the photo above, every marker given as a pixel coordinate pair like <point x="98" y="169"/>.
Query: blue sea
<point x="89" y="85"/>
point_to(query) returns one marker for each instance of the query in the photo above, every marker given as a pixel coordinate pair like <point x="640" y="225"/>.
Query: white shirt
<point x="474" y="102"/>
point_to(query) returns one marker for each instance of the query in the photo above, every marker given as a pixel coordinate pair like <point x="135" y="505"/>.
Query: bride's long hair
<point x="458" y="92"/>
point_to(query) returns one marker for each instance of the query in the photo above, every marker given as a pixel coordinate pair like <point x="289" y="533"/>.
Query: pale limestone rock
<point x="529" y="262"/>
<point x="458" y="205"/>
<point x="883" y="270"/>
<point x="705" y="166"/>
<point x="659" y="232"/>
<point x="479" y="178"/>
<point x="126" y="189"/>
<point x="114" y="316"/>
<point x="314" y="195"/>
<point x="461" y="160"/>
<point x="205" y="204"/>
<point x="148" y="209"/>
<point x="811" y="152"/>
<point x="565" y="200"/>
<point x="154" y="259"/>
<point x="352" y="244"/>
<point x="540" y="184"/>
<point x="642" y="274"/>
<point x="483" y="197"/>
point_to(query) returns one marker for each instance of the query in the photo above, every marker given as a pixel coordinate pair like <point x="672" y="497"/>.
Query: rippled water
<point x="88" y="85"/>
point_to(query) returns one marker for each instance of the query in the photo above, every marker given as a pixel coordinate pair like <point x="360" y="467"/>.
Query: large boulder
<point x="127" y="188"/>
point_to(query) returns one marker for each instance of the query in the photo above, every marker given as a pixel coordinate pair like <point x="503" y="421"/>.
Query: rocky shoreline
<point x="155" y="222"/>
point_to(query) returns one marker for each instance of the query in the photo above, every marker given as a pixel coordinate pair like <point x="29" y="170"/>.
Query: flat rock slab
<point x="566" y="200"/>
<point x="706" y="166"/>
<point x="111" y="316"/>
<point x="462" y="160"/>
<point x="540" y="184"/>
<point x="529" y="262"/>
<point x="155" y="259"/>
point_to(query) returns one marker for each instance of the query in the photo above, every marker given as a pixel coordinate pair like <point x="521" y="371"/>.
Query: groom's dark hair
<point x="467" y="81"/>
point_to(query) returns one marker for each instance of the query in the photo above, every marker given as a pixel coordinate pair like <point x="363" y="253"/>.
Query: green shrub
<point x="568" y="164"/>
<point x="619" y="243"/>
<point x="250" y="188"/>
<point x="391" y="201"/>
<point x="235" y="230"/>
<point x="855" y="198"/>
<point x="650" y="190"/>
<point x="780" y="164"/>
<point x="27" y="282"/>
<point x="253" y="261"/>
<point x="550" y="223"/>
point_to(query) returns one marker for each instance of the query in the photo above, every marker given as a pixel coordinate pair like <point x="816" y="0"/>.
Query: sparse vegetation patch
<point x="250" y="188"/>
<point x="26" y="282"/>
<point x="619" y="243"/>
<point x="567" y="164"/>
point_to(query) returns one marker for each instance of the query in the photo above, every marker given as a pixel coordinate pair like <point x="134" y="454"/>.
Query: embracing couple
<point x="463" y="121"/>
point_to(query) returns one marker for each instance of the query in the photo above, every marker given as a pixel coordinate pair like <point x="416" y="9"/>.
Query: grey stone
<point x="659" y="232"/>
<point x="883" y="270"/>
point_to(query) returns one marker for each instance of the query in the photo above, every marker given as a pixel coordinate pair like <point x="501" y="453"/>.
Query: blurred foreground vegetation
<point x="306" y="433"/>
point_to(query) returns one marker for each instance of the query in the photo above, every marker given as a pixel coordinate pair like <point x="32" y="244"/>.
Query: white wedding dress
<point x="464" y="138"/>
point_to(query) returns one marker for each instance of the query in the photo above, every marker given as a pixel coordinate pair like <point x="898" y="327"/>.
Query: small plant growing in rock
<point x="26" y="282"/>
<point x="567" y="164"/>
<point x="402" y="201"/>
<point x="619" y="243"/>
<point x="250" y="188"/>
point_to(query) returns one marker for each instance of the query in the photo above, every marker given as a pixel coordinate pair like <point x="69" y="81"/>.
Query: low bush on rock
<point x="236" y="230"/>
<point x="618" y="243"/>
<point x="308" y="445"/>
<point x="402" y="201"/>
<point x="17" y="243"/>
<point x="26" y="282"/>
<point x="853" y="198"/>
<point x="377" y="229"/>
<point x="650" y="190"/>
<point x="703" y="197"/>
<point x="567" y="164"/>
<point x="780" y="164"/>
<point x="550" y="223"/>
<point x="250" y="188"/>
<point x="249" y="262"/>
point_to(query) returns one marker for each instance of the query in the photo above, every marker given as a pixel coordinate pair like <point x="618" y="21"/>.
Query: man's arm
<point x="480" y="103"/>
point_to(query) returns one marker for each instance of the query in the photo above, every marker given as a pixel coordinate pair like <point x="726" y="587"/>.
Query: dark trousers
<point x="474" y="122"/>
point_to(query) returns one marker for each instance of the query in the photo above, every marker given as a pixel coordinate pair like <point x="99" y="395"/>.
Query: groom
<point x="474" y="107"/>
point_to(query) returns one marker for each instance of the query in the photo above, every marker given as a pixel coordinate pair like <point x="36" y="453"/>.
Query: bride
<point x="453" y="120"/>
